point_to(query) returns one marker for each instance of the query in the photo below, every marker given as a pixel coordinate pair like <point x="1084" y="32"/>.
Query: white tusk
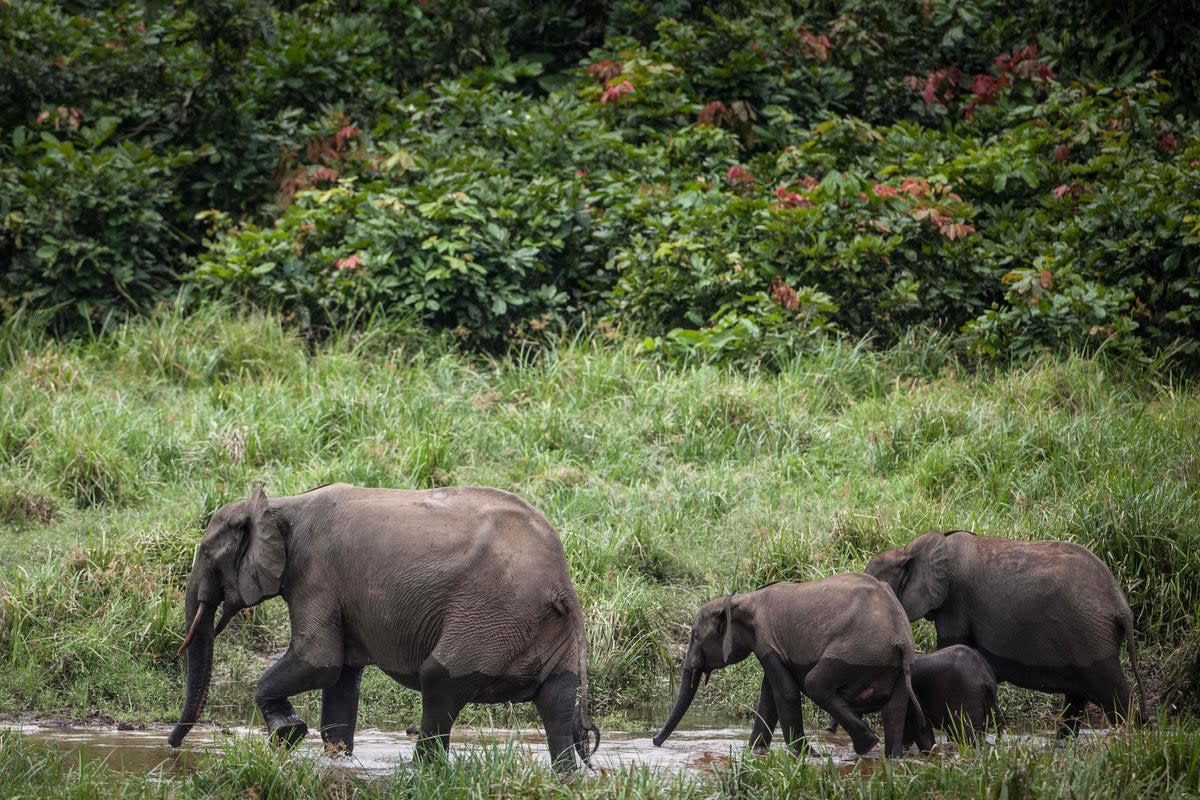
<point x="187" y="640"/>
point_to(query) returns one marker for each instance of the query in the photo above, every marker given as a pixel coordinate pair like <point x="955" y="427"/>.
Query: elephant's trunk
<point x="689" y="682"/>
<point x="199" y="645"/>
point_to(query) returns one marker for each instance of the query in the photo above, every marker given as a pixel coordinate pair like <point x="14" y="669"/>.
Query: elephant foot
<point x="802" y="748"/>
<point x="760" y="749"/>
<point x="333" y="749"/>
<point x="863" y="744"/>
<point x="287" y="730"/>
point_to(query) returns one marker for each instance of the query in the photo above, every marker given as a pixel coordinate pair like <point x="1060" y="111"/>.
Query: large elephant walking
<point x="1046" y="615"/>
<point x="462" y="594"/>
<point x="843" y="641"/>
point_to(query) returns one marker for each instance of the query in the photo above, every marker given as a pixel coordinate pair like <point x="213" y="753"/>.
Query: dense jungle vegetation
<point x="734" y="292"/>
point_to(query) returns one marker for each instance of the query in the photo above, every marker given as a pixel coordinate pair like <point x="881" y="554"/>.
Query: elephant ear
<point x="260" y="572"/>
<point x="736" y="625"/>
<point x="924" y="574"/>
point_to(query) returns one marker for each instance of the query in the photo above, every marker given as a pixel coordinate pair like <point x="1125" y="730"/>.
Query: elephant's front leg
<point x="289" y="676"/>
<point x="765" y="718"/>
<point x="789" y="703"/>
<point x="339" y="711"/>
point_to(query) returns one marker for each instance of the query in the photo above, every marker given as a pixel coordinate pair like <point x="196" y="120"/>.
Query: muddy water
<point x="378" y="753"/>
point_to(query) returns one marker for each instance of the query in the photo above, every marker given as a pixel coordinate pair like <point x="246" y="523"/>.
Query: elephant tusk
<point x="191" y="632"/>
<point x="226" y="617"/>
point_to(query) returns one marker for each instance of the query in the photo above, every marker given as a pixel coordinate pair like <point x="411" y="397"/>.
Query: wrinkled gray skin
<point x="1045" y="615"/>
<point x="462" y="594"/>
<point x="956" y="691"/>
<point x="844" y="641"/>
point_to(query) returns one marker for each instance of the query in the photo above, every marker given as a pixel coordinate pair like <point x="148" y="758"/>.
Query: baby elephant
<point x="843" y="641"/>
<point x="957" y="693"/>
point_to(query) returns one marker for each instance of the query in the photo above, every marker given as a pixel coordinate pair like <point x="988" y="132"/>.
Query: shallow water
<point x="378" y="753"/>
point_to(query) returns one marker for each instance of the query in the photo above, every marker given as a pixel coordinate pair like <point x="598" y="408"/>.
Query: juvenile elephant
<point x="461" y="593"/>
<point x="1045" y="615"/>
<point x="956" y="691"/>
<point x="843" y="641"/>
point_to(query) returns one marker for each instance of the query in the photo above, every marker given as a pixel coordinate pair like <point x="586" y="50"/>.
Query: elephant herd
<point x="464" y="595"/>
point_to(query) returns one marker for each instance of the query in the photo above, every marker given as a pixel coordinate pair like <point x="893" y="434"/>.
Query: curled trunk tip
<point x="688" y="684"/>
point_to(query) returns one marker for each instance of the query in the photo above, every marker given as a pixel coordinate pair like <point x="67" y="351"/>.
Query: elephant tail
<point x="587" y="728"/>
<point x="1126" y="624"/>
<point x="917" y="714"/>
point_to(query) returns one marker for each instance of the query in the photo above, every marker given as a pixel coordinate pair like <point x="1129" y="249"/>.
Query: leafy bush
<point x="88" y="225"/>
<point x="731" y="179"/>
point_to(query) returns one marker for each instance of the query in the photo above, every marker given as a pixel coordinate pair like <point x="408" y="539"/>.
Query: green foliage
<point x="734" y="181"/>
<point x="88" y="226"/>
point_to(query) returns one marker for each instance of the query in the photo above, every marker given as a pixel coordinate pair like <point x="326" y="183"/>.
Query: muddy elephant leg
<point x="339" y="711"/>
<point x="789" y="704"/>
<point x="442" y="698"/>
<point x="555" y="703"/>
<point x="765" y="718"/>
<point x="1072" y="713"/>
<point x="821" y="685"/>
<point x="289" y="676"/>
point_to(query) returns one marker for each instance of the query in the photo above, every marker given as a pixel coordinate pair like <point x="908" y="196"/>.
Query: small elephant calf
<point x="957" y="692"/>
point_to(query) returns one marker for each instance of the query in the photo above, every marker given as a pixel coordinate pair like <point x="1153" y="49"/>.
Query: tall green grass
<point x="669" y="485"/>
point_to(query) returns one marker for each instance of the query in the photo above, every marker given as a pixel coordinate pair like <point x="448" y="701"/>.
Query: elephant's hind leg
<point x="1109" y="688"/>
<point x="442" y="698"/>
<point x="339" y="711"/>
<point x="555" y="703"/>
<point x="1071" y="716"/>
<point x="822" y="684"/>
<point x="895" y="714"/>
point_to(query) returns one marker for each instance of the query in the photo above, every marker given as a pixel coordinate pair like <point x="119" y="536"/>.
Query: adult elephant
<point x="1046" y="615"/>
<point x="843" y="641"/>
<point x="461" y="593"/>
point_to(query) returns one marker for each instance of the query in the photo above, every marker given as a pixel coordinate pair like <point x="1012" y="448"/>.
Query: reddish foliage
<point x="605" y="70"/>
<point x="71" y="116"/>
<point x="714" y="113"/>
<point x="783" y="294"/>
<point x="352" y="261"/>
<point x="1166" y="142"/>
<point x="939" y="85"/>
<point x="1062" y="153"/>
<point x="615" y="91"/>
<point x="816" y="46"/>
<point x="1072" y="189"/>
<point x="883" y="190"/>
<point x="739" y="176"/>
<point x="809" y="183"/>
<point x="915" y="187"/>
<point x="790" y="199"/>
<point x="1024" y="63"/>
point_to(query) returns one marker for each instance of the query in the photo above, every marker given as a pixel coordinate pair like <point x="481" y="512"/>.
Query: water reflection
<point x="378" y="753"/>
